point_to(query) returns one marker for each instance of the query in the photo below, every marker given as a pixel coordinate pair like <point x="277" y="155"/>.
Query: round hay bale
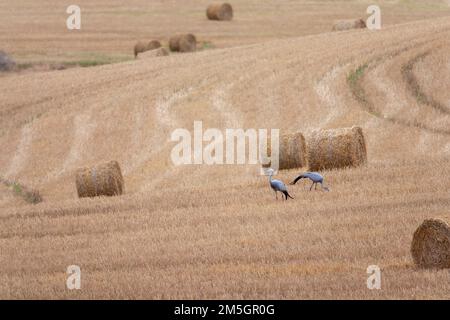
<point x="292" y="151"/>
<point x="154" y="44"/>
<point x="183" y="43"/>
<point x="220" y="11"/>
<point x="139" y="47"/>
<point x="337" y="148"/>
<point x="430" y="247"/>
<point x="6" y="62"/>
<point x="349" y="24"/>
<point x="101" y="180"/>
<point x="160" y="52"/>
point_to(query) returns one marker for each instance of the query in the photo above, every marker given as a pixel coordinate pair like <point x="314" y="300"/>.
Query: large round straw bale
<point x="430" y="247"/>
<point x="292" y="151"/>
<point x="219" y="11"/>
<point x="139" y="47"/>
<point x="349" y="24"/>
<point x="154" y="44"/>
<point x="6" y="62"/>
<point x="183" y="43"/>
<point x="160" y="52"/>
<point x="101" y="180"/>
<point x="337" y="148"/>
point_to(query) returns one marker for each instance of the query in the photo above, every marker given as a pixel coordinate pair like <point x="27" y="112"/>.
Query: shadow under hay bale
<point x="337" y="148"/>
<point x="349" y="24"/>
<point x="220" y="12"/>
<point x="6" y="62"/>
<point x="292" y="151"/>
<point x="430" y="247"/>
<point x="101" y="180"/>
<point x="183" y="43"/>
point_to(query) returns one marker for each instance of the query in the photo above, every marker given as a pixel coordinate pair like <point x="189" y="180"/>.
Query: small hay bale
<point x="183" y="43"/>
<point x="139" y="47"/>
<point x="220" y="12"/>
<point x="349" y="24"/>
<point x="430" y="247"/>
<point x="292" y="151"/>
<point x="160" y="52"/>
<point x="154" y="44"/>
<point x="101" y="180"/>
<point x="6" y="62"/>
<point x="337" y="148"/>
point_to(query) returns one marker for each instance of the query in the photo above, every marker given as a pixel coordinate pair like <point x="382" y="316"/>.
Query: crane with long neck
<point x="278" y="186"/>
<point x="315" y="177"/>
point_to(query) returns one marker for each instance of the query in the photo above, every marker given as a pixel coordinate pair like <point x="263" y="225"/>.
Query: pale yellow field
<point x="217" y="231"/>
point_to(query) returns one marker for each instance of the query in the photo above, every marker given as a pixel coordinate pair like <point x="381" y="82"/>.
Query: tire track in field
<point x="141" y="141"/>
<point x="361" y="96"/>
<point x="218" y="102"/>
<point x="231" y="117"/>
<point x="414" y="87"/>
<point x="329" y="95"/>
<point x="84" y="126"/>
<point x="22" y="153"/>
<point x="164" y="116"/>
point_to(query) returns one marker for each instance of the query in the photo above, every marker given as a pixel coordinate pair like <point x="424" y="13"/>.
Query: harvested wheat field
<point x="216" y="231"/>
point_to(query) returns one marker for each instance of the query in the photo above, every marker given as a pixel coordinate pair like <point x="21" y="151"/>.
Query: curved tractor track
<point x="370" y="71"/>
<point x="216" y="231"/>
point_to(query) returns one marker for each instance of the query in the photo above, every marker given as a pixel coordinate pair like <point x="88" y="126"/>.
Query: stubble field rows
<point x="216" y="231"/>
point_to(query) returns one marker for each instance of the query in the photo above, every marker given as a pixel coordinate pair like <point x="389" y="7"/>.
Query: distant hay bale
<point x="219" y="11"/>
<point x="183" y="43"/>
<point x="139" y="47"/>
<point x="349" y="24"/>
<point x="101" y="180"/>
<point x="160" y="52"/>
<point x="430" y="247"/>
<point x="292" y="151"/>
<point x="154" y="44"/>
<point x="6" y="62"/>
<point x="338" y="148"/>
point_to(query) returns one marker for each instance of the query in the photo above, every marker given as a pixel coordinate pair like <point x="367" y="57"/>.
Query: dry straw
<point x="183" y="43"/>
<point x="337" y="148"/>
<point x="349" y="24"/>
<point x="292" y="151"/>
<point x="101" y="180"/>
<point x="430" y="247"/>
<point x="160" y="52"/>
<point x="219" y="11"/>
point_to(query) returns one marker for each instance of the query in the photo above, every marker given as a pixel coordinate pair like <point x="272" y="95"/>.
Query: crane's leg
<point x="311" y="186"/>
<point x="276" y="195"/>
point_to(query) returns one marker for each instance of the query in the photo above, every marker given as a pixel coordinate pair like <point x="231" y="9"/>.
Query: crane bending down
<point x="315" y="177"/>
<point x="278" y="185"/>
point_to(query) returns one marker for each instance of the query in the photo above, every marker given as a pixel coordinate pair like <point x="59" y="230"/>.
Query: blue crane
<point x="278" y="186"/>
<point x="315" y="177"/>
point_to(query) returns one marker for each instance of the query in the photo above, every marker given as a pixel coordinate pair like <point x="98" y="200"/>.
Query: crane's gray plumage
<point x="315" y="177"/>
<point x="278" y="186"/>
